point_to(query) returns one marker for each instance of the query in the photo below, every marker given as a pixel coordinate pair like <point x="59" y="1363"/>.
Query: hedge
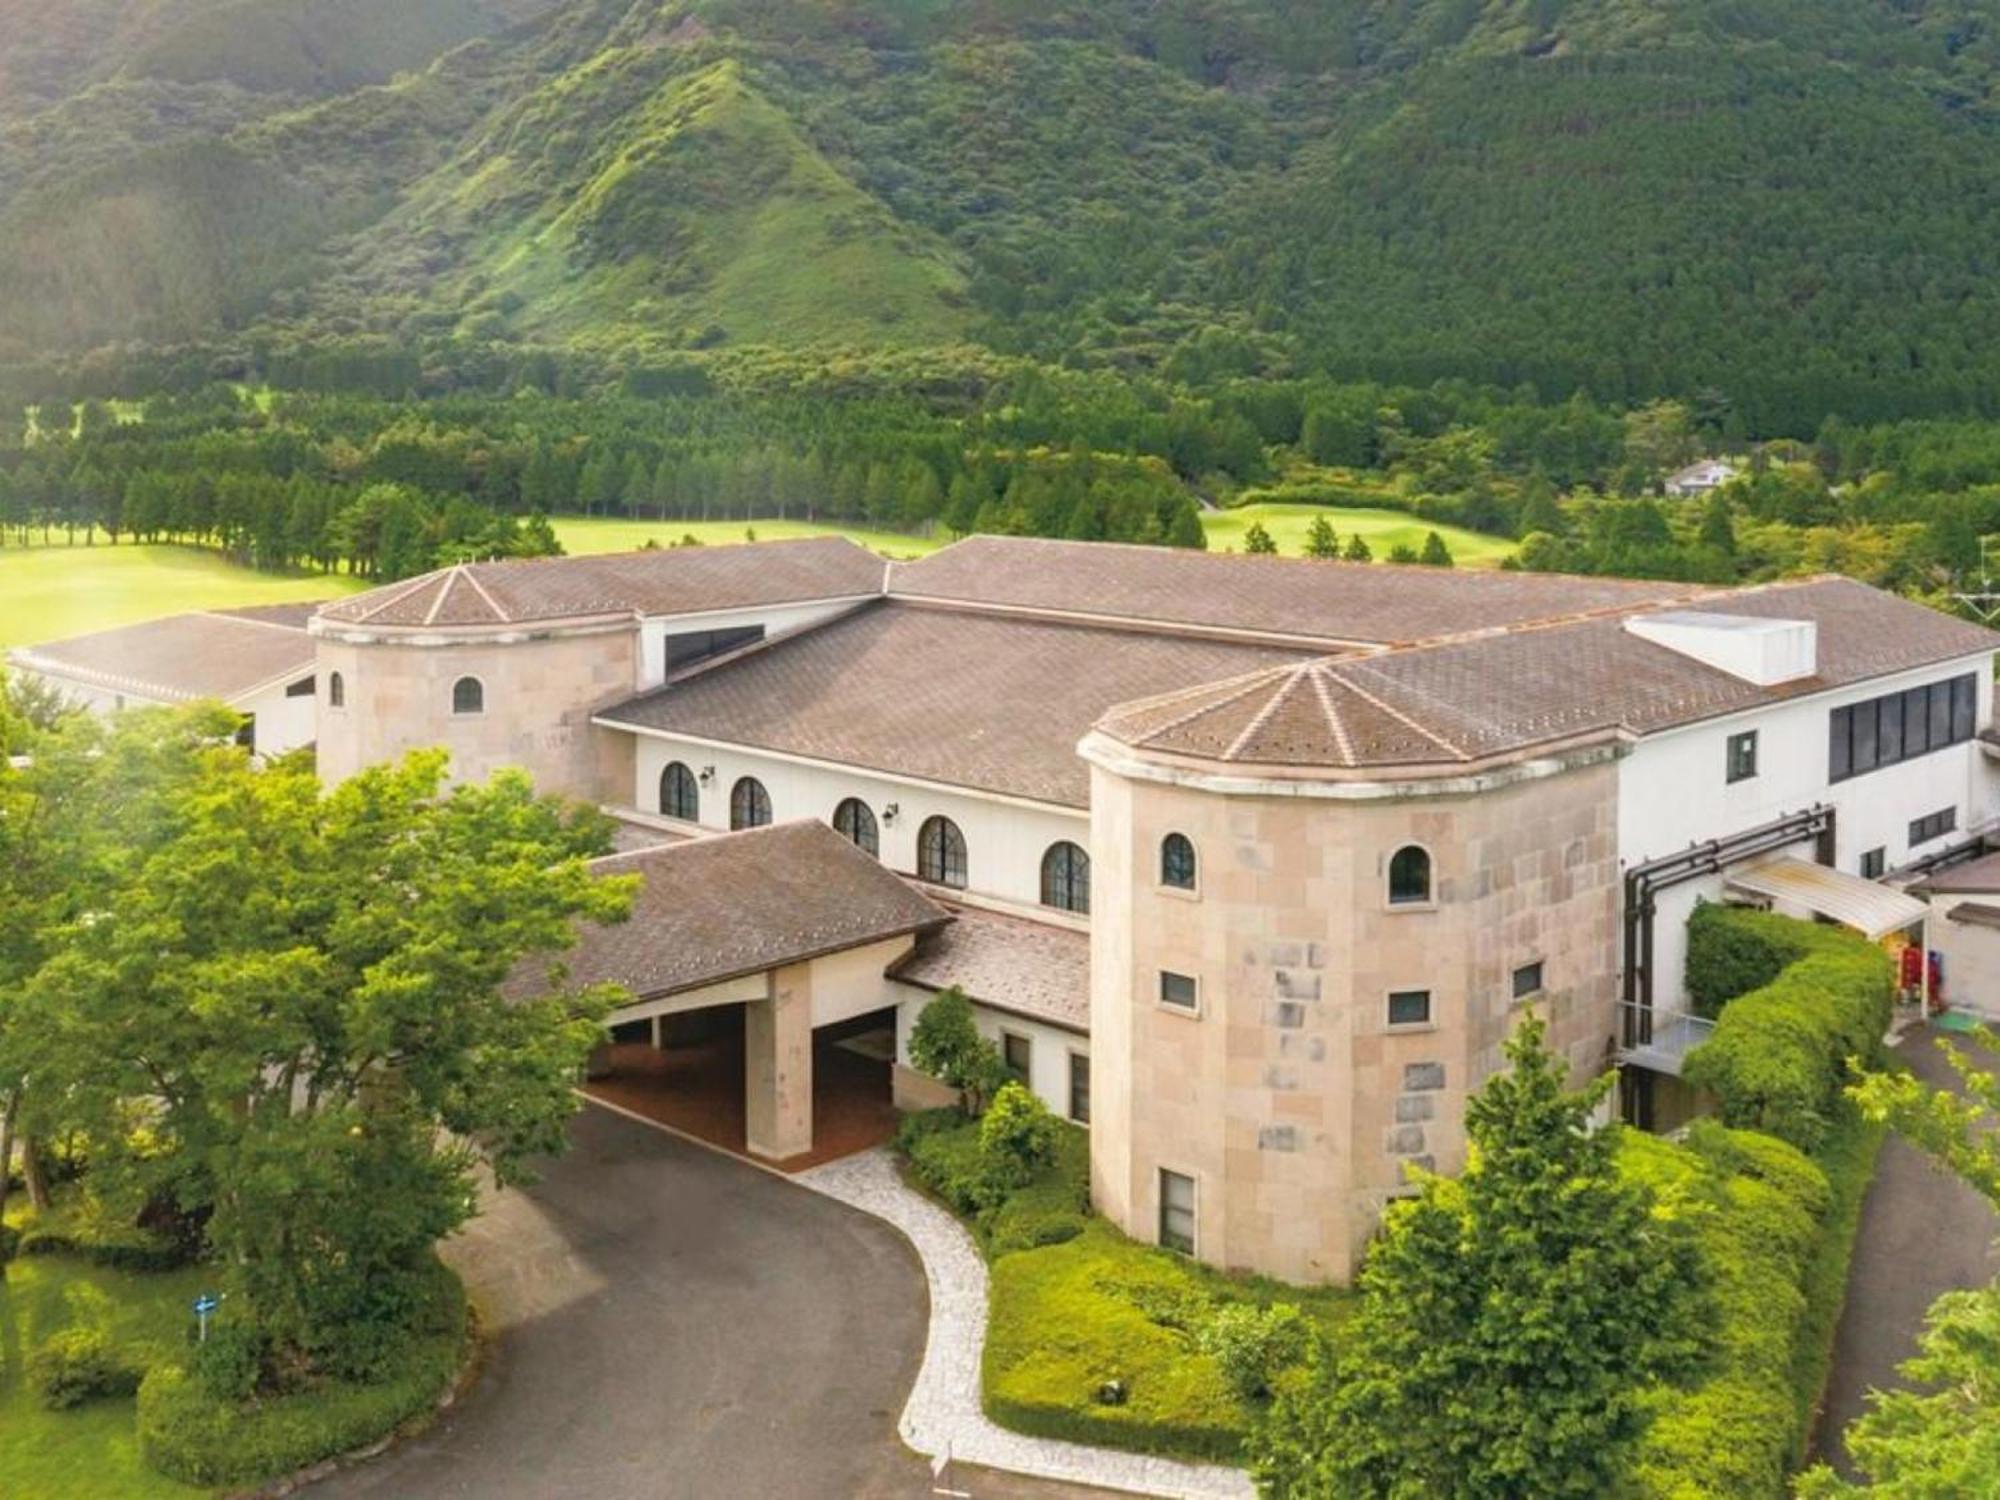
<point x="1778" y="1059"/>
<point x="1733" y="1432"/>
<point x="79" y="1226"/>
<point x="189" y="1434"/>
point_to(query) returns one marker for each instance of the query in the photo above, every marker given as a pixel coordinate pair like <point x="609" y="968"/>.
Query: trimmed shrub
<point x="190" y="1434"/>
<point x="78" y="1365"/>
<point x="1779" y="1057"/>
<point x="947" y="1159"/>
<point x="1760" y="1205"/>
<point x="1018" y="1135"/>
<point x="1254" y="1346"/>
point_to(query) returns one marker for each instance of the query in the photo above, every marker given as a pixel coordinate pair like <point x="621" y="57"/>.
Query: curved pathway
<point x="673" y="1323"/>
<point x="1923" y="1233"/>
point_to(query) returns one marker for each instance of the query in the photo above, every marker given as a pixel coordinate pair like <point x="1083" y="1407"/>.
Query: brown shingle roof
<point x="183" y="657"/>
<point x="958" y="698"/>
<point x="1469" y="700"/>
<point x="1977" y="876"/>
<point x="1027" y="968"/>
<point x="665" y="581"/>
<point x="1294" y="597"/>
<point x="719" y="908"/>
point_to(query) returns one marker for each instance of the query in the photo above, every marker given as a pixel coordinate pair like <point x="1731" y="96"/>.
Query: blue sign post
<point x="205" y="1304"/>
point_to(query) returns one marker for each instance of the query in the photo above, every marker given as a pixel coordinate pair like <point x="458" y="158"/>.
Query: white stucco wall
<point x="282" y="723"/>
<point x="1049" y="1046"/>
<point x="776" y="619"/>
<point x="1005" y="839"/>
<point x="1673" y="791"/>
<point x="1971" y="954"/>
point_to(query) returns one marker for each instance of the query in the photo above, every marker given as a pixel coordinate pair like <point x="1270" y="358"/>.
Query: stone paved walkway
<point x="943" y="1413"/>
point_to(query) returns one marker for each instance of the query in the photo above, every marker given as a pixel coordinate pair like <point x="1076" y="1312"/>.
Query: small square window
<point x="1743" y="755"/>
<point x="1079" y="1087"/>
<point x="1873" y="863"/>
<point x="1528" y="980"/>
<point x="1177" y="1211"/>
<point x="1409" y="1007"/>
<point x="1933" y="826"/>
<point x="1018" y="1053"/>
<point x="1179" y="991"/>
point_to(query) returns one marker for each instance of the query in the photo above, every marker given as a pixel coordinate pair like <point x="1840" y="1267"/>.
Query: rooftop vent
<point x="1754" y="649"/>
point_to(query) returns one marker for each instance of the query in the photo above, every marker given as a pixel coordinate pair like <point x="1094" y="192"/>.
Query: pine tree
<point x="1435" y="554"/>
<point x="1358" y="550"/>
<point x="1258" y="541"/>
<point x="1321" y="541"/>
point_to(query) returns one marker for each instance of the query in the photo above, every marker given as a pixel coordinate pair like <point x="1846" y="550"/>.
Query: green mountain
<point x="1782" y="208"/>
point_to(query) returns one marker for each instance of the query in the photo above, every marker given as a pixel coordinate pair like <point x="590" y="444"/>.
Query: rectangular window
<point x="303" y="688"/>
<point x="1896" y="727"/>
<point x="1179" y="991"/>
<point x="1177" y="1211"/>
<point x="1079" y="1087"/>
<point x="1017" y="1052"/>
<point x="1933" y="826"/>
<point x="687" y="647"/>
<point x="1528" y="980"/>
<point x="1874" y="862"/>
<point x="1409" y="1007"/>
<point x="1743" y="755"/>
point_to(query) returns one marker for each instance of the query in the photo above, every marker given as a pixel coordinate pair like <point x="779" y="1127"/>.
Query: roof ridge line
<point x="1264" y="714"/>
<point x="452" y="574"/>
<point x="416" y="584"/>
<point x="1245" y="686"/>
<point x="233" y="618"/>
<point x="1402" y="718"/>
<point x="506" y="617"/>
<point x="1318" y="673"/>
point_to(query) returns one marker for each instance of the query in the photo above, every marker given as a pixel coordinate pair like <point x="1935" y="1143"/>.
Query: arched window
<point x="1066" y="878"/>
<point x="854" y="821"/>
<point x="1410" y="876"/>
<point x="336" y="691"/>
<point x="468" y="696"/>
<point x="1177" y="862"/>
<point x="680" y="797"/>
<point x="749" y="804"/>
<point x="941" y="853"/>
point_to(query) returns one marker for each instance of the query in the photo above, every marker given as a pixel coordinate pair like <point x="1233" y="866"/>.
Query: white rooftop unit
<point x="1764" y="651"/>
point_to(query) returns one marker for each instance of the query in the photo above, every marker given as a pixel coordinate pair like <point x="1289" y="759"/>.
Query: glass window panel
<point x="1840" y="748"/>
<point x="1964" y="707"/>
<point x="1940" y="715"/>
<point x="1410" y="1008"/>
<point x="1916" y="722"/>
<point x="1889" y="728"/>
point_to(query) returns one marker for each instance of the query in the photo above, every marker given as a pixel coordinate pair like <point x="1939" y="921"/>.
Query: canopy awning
<point x="1873" y="910"/>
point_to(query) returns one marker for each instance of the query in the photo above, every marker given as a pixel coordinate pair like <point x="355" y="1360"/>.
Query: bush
<point x="947" y="1159"/>
<point x="1760" y="1207"/>
<point x="190" y="1434"/>
<point x="946" y="1044"/>
<point x="1254" y="1346"/>
<point x="1018" y="1135"/>
<point x="1779" y="1057"/>
<point x="1733" y="950"/>
<point x="78" y="1365"/>
<point x="80" y="1225"/>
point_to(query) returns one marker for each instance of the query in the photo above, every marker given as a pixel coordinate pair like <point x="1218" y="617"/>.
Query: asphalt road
<point x="1923" y="1233"/>
<point x="670" y="1324"/>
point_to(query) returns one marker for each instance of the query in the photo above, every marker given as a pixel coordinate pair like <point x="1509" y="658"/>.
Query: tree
<point x="1718" y="526"/>
<point x="1357" y="549"/>
<point x="1019" y="1135"/>
<point x="1320" y="539"/>
<point x="1435" y="554"/>
<point x="337" y="1007"/>
<point x="1943" y="1441"/>
<point x="1961" y="1130"/>
<point x="1511" y="1321"/>
<point x="1258" y="541"/>
<point x="945" y="1043"/>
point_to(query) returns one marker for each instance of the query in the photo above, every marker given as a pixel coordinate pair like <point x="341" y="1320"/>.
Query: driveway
<point x="1923" y="1233"/>
<point x="671" y="1323"/>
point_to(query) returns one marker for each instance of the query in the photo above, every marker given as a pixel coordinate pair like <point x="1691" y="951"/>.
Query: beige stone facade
<point x="539" y="690"/>
<point x="1286" y="1095"/>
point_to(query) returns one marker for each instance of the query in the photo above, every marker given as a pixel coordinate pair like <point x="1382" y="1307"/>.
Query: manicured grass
<point x="54" y="591"/>
<point x="581" y="537"/>
<point x="91" y="1450"/>
<point x="1382" y="529"/>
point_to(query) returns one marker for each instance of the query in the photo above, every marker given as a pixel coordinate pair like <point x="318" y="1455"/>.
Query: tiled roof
<point x="218" y="654"/>
<point x="958" y="698"/>
<point x="1028" y="968"/>
<point x="1468" y="700"/>
<point x="665" y="581"/>
<point x="1978" y="876"/>
<point x="1331" y="602"/>
<point x="719" y="908"/>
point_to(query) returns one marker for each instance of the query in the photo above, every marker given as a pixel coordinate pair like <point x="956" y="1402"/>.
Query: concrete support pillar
<point x="777" y="1066"/>
<point x="659" y="1033"/>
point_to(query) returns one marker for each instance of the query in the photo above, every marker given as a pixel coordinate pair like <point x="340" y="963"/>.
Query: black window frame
<point x="460" y="698"/>
<point x="941" y="853"/>
<point x="1066" y="878"/>
<point x="1933" y="825"/>
<point x="749" y="805"/>
<point x="1079" y="1087"/>
<point x="1422" y="1017"/>
<point x="1400" y="894"/>
<point x="336" y="690"/>
<point x="1902" y="726"/>
<point x="1170" y="982"/>
<point x="1172" y="1214"/>
<point x="1874" y="862"/>
<point x="854" y="820"/>
<point x="1179" y="866"/>
<point x="1740" y="758"/>
<point x="680" y="795"/>
<point x="686" y="648"/>
<point x="1024" y="1070"/>
<point x="1527" y="980"/>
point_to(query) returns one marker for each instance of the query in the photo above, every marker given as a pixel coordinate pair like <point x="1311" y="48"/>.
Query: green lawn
<point x="1383" y="529"/>
<point x="49" y="592"/>
<point x="92" y="1450"/>
<point x="581" y="537"/>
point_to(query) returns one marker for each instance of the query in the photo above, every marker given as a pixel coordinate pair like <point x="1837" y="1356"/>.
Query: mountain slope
<point x="1783" y="205"/>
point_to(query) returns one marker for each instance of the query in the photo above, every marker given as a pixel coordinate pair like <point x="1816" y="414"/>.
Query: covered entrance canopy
<point x="1870" y="909"/>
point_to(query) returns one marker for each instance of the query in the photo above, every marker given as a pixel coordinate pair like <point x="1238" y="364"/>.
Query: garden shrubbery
<point x="1779" y="1056"/>
<point x="202" y="1423"/>
<point x="78" y="1365"/>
